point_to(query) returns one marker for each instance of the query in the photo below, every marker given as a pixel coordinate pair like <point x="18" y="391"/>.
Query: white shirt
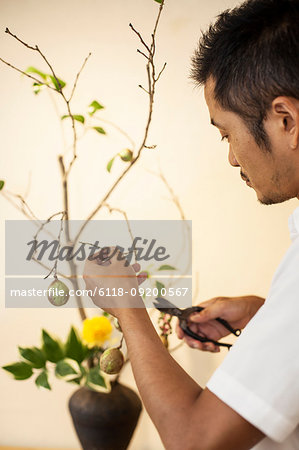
<point x="259" y="378"/>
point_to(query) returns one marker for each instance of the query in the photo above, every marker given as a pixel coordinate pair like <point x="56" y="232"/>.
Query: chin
<point x="273" y="199"/>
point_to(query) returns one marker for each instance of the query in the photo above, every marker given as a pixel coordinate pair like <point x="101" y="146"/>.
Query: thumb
<point x="208" y="313"/>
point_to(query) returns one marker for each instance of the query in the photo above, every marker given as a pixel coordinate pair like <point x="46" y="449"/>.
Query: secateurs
<point x="165" y="306"/>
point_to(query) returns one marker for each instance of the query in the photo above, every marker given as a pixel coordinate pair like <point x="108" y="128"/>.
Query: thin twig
<point x="141" y="53"/>
<point x="36" y="48"/>
<point x="161" y="71"/>
<point x="27" y="75"/>
<point x="48" y="268"/>
<point x="174" y="197"/>
<point x="140" y="37"/>
<point x="59" y="90"/>
<point x="77" y="76"/>
<point x="24" y="205"/>
<point x="141" y="87"/>
<point x="18" y="39"/>
<point x="62" y="213"/>
<point x="120" y="130"/>
<point x="54" y="269"/>
<point x="111" y="209"/>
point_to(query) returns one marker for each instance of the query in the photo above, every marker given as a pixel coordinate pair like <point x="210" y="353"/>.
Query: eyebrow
<point x="217" y="124"/>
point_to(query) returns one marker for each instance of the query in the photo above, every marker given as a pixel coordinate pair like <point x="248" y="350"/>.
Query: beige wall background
<point x="237" y="243"/>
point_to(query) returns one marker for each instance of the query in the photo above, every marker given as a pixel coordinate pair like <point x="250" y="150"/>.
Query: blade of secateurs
<point x="164" y="305"/>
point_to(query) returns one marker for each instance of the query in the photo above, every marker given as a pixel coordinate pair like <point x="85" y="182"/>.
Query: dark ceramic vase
<point x="105" y="421"/>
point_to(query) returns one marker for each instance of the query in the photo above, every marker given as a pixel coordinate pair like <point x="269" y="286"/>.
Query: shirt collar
<point x="294" y="224"/>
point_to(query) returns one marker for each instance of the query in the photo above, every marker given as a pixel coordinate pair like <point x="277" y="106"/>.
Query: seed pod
<point x="58" y="293"/>
<point x="111" y="361"/>
<point x="126" y="154"/>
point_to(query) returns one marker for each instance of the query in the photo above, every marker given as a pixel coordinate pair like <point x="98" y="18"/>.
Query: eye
<point x="224" y="138"/>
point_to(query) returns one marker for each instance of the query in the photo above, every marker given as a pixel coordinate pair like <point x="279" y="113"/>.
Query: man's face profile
<point x="272" y="173"/>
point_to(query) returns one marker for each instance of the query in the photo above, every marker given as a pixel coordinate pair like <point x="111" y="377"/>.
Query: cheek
<point x="247" y="154"/>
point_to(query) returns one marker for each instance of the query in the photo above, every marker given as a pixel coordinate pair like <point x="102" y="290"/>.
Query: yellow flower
<point x="96" y="330"/>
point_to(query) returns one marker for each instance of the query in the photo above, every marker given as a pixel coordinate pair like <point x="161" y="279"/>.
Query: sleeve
<point x="259" y="378"/>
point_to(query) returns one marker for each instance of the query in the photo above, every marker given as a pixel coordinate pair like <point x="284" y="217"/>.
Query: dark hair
<point x="252" y="53"/>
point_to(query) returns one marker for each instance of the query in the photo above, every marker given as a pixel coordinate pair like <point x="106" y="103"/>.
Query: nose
<point x="232" y="158"/>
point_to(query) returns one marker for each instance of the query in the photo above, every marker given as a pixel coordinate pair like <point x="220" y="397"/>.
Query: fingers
<point x="193" y="343"/>
<point x="179" y="331"/>
<point x="203" y="346"/>
<point x="211" y="311"/>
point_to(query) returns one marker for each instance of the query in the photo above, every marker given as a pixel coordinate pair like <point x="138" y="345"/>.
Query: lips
<point x="244" y="177"/>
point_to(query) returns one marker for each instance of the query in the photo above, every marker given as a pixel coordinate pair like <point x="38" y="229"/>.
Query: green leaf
<point x="74" y="348"/>
<point x="32" y="69"/>
<point x="42" y="380"/>
<point x="34" y="355"/>
<point x="159" y="286"/>
<point x="55" y="83"/>
<point x="158" y="1"/>
<point x="99" y="130"/>
<point x="95" y="380"/>
<point x="75" y="380"/>
<point x="37" y="87"/>
<point x="167" y="267"/>
<point x="2" y="183"/>
<point x="109" y="165"/>
<point x="79" y="379"/>
<point x="94" y="106"/>
<point x="126" y="154"/>
<point x="20" y="370"/>
<point x="68" y="369"/>
<point x="51" y="347"/>
<point x="77" y="117"/>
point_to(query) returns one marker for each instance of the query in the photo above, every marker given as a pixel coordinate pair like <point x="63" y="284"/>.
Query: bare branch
<point x="173" y="196"/>
<point x="160" y="73"/>
<point x="20" y="40"/>
<point x="73" y="267"/>
<point x="78" y="74"/>
<point x="157" y="21"/>
<point x="59" y="90"/>
<point x="27" y="75"/>
<point x="54" y="269"/>
<point x="36" y="48"/>
<point x="140" y="37"/>
<point x="24" y="207"/>
<point x="48" y="268"/>
<point x="150" y="68"/>
<point x="141" y="87"/>
<point x="111" y="209"/>
<point x="141" y="53"/>
<point x="43" y="224"/>
<point x="74" y="139"/>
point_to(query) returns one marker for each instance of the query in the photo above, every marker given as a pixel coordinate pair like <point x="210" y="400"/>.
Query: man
<point x="248" y="62"/>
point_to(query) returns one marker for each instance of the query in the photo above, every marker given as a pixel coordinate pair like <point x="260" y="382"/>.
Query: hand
<point x="237" y="311"/>
<point x="113" y="282"/>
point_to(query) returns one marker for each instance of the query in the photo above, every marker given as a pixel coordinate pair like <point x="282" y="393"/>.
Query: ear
<point x="286" y="112"/>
